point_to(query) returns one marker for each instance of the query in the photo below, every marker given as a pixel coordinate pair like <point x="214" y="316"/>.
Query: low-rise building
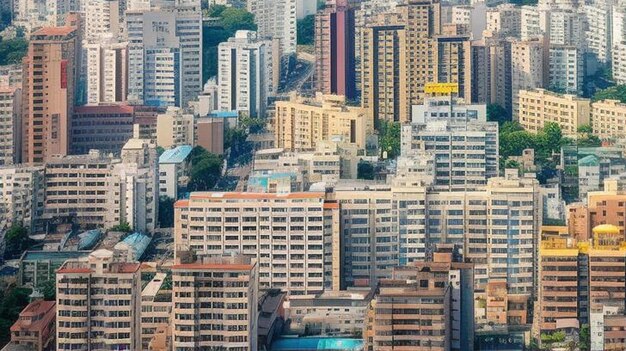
<point x="38" y="267"/>
<point x="538" y="107"/>
<point x="35" y="328"/>
<point x="301" y="123"/>
<point x="332" y="313"/>
<point x="608" y="118"/>
<point x="174" y="168"/>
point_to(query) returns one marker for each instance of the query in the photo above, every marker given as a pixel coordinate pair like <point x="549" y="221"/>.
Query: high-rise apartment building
<point x="383" y="55"/>
<point x="598" y="34"/>
<point x="97" y="190"/>
<point x="529" y="65"/>
<point x="165" y="53"/>
<point x="35" y="14"/>
<point x="335" y="49"/>
<point x="505" y="20"/>
<point x="215" y="304"/>
<point x="245" y="74"/>
<point x="464" y="144"/>
<point x="22" y="195"/>
<point x="566" y="69"/>
<point x="105" y="128"/>
<point x="98" y="303"/>
<point x="422" y="19"/>
<point x="491" y="72"/>
<point x="287" y="233"/>
<point x="106" y="71"/>
<point x="452" y="62"/>
<point x="48" y="93"/>
<point x="276" y="19"/>
<point x="377" y="237"/>
<point x="302" y="123"/>
<point x="608" y="119"/>
<point x="619" y="62"/>
<point x="444" y="292"/>
<point x="103" y="18"/>
<point x="538" y="107"/>
<point x="174" y="128"/>
<point x="10" y="126"/>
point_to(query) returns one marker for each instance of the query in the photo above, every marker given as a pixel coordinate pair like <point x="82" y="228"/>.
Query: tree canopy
<point x="389" y="138"/>
<point x="497" y="113"/>
<point x="617" y="92"/>
<point x="231" y="20"/>
<point x="306" y="30"/>
<point x="365" y="170"/>
<point x="12" y="50"/>
<point x="206" y="169"/>
<point x="16" y="241"/>
<point x="12" y="302"/>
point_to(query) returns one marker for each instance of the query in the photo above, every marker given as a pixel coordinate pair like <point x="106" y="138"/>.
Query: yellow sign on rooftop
<point x="441" y="88"/>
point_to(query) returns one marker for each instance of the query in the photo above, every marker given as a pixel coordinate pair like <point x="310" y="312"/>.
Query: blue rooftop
<point x="136" y="242"/>
<point x="224" y="114"/>
<point x="176" y="155"/>
<point x="317" y="343"/>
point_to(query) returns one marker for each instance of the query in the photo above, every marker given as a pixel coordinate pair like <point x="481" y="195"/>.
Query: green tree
<point x="48" y="289"/>
<point x="306" y="30"/>
<point x="166" y="212"/>
<point x="16" y="241"/>
<point x="365" y="170"/>
<point x="585" y="129"/>
<point x="206" y="170"/>
<point x="617" y="92"/>
<point x="160" y="150"/>
<point x="549" y="139"/>
<point x="12" y="302"/>
<point x="234" y="19"/>
<point x="389" y="135"/>
<point x="123" y="227"/>
<point x="13" y="50"/>
<point x="497" y="113"/>
<point x="584" y="338"/>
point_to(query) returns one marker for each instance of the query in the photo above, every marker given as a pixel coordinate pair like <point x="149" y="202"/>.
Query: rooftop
<point x="153" y="287"/>
<point x="176" y="155"/>
<point x="317" y="343"/>
<point x="105" y="109"/>
<point x="224" y="114"/>
<point x="35" y="308"/>
<point x="52" y="255"/>
<point x="54" y="31"/>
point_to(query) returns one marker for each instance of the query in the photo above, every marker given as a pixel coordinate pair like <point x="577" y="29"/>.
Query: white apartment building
<point x="534" y="22"/>
<point x="98" y="304"/>
<point x="287" y="233"/>
<point x="164" y="53"/>
<point x="619" y="62"/>
<point x="102" y="17"/>
<point x="567" y="27"/>
<point x="566" y="69"/>
<point x="101" y="191"/>
<point x="10" y="126"/>
<point x="34" y="14"/>
<point x="599" y="38"/>
<point x="244" y="74"/>
<point x="21" y="196"/>
<point x="106" y="70"/>
<point x="276" y="19"/>
<point x="505" y="19"/>
<point x="174" y="167"/>
<point x="390" y="225"/>
<point x="463" y="143"/>
<point x="305" y="8"/>
<point x="215" y="304"/>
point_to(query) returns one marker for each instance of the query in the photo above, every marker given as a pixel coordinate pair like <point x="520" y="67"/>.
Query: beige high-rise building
<point x="10" y="126"/>
<point x="608" y="119"/>
<point x="423" y="21"/>
<point x="48" y="93"/>
<point x="299" y="124"/>
<point x="98" y="303"/>
<point x="106" y="71"/>
<point x="452" y="62"/>
<point x="383" y="69"/>
<point x="175" y="128"/>
<point x="529" y="68"/>
<point x="21" y="196"/>
<point x="289" y="234"/>
<point x="538" y="107"/>
<point x="215" y="304"/>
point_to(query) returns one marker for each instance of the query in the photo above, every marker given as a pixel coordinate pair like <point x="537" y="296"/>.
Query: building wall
<point x="608" y="119"/>
<point x="10" y="126"/>
<point x="537" y="107"/>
